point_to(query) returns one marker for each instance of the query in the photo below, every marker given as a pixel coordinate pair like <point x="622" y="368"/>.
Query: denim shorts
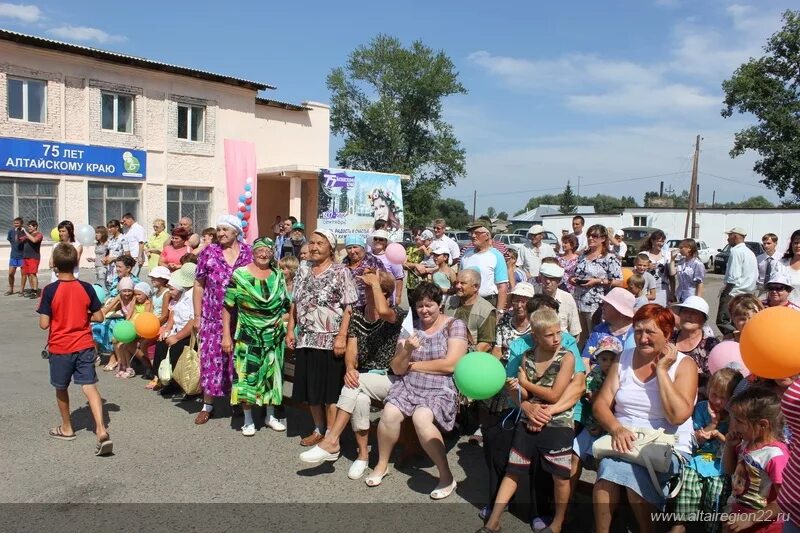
<point x="16" y="263"/>
<point x="77" y="366"/>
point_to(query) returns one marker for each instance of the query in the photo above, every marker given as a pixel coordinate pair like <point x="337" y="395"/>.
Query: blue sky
<point x="605" y="91"/>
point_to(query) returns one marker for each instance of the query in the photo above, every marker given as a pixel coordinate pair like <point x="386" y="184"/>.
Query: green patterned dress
<point x="258" y="343"/>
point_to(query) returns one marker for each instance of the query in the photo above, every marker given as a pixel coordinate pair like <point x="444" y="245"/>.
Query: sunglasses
<point x="593" y="236"/>
<point x="777" y="288"/>
<point x="379" y="239"/>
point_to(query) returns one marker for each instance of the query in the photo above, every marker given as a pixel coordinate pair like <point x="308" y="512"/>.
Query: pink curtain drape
<point x="240" y="172"/>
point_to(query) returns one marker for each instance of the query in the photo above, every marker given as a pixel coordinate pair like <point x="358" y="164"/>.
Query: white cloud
<point x="644" y="100"/>
<point x="85" y="34"/>
<point x="20" y="12"/>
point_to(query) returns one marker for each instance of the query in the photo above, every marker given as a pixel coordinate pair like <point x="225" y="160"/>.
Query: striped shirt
<point x="789" y="496"/>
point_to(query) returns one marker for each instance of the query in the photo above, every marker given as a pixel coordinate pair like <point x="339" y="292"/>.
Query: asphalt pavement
<point x="161" y="456"/>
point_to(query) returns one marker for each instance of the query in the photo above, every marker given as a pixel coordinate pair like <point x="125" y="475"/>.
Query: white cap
<point x="523" y="288"/>
<point x="380" y="234"/>
<point x="550" y="270"/>
<point x="779" y="278"/>
<point x="619" y="233"/>
<point x="426" y="235"/>
<point x="694" y="302"/>
<point x="738" y="231"/>
<point x="440" y="248"/>
<point x="536" y="229"/>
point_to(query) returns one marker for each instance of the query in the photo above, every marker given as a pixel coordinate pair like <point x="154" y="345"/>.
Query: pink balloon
<point x="727" y="354"/>
<point x="395" y="253"/>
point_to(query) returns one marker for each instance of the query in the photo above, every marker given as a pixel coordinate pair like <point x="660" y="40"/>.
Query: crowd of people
<point x="590" y="356"/>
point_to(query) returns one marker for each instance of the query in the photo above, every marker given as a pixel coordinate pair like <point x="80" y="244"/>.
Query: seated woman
<point x="115" y="309"/>
<point x="692" y="337"/>
<point x="176" y="334"/>
<point x="371" y="341"/>
<point x="652" y="386"/>
<point x="123" y="266"/>
<point x="424" y="390"/>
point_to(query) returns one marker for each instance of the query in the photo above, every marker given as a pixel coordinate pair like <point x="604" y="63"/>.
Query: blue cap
<point x="355" y="240"/>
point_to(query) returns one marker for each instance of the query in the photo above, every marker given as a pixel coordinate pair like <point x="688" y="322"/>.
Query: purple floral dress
<point x="215" y="365"/>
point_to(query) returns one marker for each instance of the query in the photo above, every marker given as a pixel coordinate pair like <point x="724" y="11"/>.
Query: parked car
<point x="461" y="237"/>
<point x="633" y="239"/>
<point x="512" y="240"/>
<point x="549" y="237"/>
<point x="721" y="259"/>
<point x="408" y="240"/>
<point x="704" y="253"/>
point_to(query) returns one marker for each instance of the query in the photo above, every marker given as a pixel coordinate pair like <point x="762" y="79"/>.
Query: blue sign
<point x="45" y="157"/>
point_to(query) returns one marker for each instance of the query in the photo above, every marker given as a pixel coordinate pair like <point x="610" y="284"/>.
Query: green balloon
<point x="479" y="375"/>
<point x="124" y="331"/>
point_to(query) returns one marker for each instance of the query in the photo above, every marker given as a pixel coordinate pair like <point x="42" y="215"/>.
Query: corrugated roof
<point x="544" y="210"/>
<point x="282" y="105"/>
<point x="114" y="57"/>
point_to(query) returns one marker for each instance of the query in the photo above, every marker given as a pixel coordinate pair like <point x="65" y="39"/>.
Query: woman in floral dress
<point x="258" y="292"/>
<point x="595" y="273"/>
<point x="323" y="294"/>
<point x="215" y="267"/>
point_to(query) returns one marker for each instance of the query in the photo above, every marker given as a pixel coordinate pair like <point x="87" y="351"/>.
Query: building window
<point x="188" y="202"/>
<point x="640" y="221"/>
<point x="191" y="122"/>
<point x="111" y="200"/>
<point x="117" y="112"/>
<point x="31" y="200"/>
<point x="27" y="99"/>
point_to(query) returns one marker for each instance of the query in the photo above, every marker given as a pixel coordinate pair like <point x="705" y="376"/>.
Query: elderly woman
<point x="778" y="289"/>
<point x="178" y="246"/>
<point x="425" y="391"/>
<point x="215" y="267"/>
<point x="371" y="342"/>
<point x="258" y="293"/>
<point x="692" y="337"/>
<point x="358" y="260"/>
<point x="515" y="323"/>
<point x="323" y="293"/>
<point x="176" y="334"/>
<point x="596" y="271"/>
<point x="652" y="386"/>
<point x="156" y="243"/>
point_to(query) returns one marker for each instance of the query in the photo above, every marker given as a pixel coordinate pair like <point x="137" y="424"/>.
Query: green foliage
<point x="569" y="202"/>
<point x="602" y="203"/>
<point x="502" y="215"/>
<point x="754" y="202"/>
<point x="491" y="213"/>
<point x="454" y="212"/>
<point x="387" y="104"/>
<point x="767" y="88"/>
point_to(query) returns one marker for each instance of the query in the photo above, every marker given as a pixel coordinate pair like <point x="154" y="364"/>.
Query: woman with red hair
<point x="652" y="386"/>
<point x="171" y="253"/>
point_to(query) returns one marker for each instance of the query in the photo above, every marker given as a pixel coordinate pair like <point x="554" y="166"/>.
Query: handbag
<point x="187" y="369"/>
<point x="653" y="449"/>
<point x="165" y="371"/>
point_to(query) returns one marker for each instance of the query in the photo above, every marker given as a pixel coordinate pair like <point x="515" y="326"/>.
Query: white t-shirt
<point x="794" y="279"/>
<point x="135" y="235"/>
<point x="583" y="244"/>
<point x="492" y="267"/>
<point x="568" y="313"/>
<point x="530" y="257"/>
<point x="182" y="311"/>
<point x="452" y="245"/>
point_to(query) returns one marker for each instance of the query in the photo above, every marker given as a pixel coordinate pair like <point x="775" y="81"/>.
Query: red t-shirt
<point x="69" y="304"/>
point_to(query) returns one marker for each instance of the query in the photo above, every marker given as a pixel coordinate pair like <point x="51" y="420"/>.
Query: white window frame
<point x="198" y="225"/>
<point x="115" y="116"/>
<point x="16" y="196"/>
<point x="106" y="198"/>
<point x="640" y="221"/>
<point x="25" y="117"/>
<point x="190" y="110"/>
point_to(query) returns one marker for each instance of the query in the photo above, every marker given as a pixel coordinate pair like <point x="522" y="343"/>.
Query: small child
<point x="138" y="348"/>
<point x="742" y="308"/>
<point x="289" y="266"/>
<point x="100" y="253"/>
<point x="159" y="277"/>
<point x="66" y="308"/>
<point x="755" y="457"/>
<point x="704" y="484"/>
<point x="188" y="258"/>
<point x="635" y="286"/>
<point x="444" y="277"/>
<point x="608" y="350"/>
<point x="641" y="266"/>
<point x="544" y="374"/>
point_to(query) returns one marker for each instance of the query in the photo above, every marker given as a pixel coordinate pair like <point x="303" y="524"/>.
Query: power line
<point x="732" y="180"/>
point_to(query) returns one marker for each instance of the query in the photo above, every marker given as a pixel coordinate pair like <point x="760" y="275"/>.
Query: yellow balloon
<point x="54" y="234"/>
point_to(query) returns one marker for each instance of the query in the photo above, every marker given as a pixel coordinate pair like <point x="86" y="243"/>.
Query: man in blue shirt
<point x="15" y="257"/>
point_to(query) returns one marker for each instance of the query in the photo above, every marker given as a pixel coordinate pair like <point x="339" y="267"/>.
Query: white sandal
<point x="376" y="479"/>
<point x="444" y="492"/>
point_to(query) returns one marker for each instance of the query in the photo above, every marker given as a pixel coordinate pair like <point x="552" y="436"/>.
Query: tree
<point x="454" y="212"/>
<point x="568" y="202"/>
<point x="490" y="212"/>
<point x="387" y="103"/>
<point x="767" y="88"/>
<point x="502" y="215"/>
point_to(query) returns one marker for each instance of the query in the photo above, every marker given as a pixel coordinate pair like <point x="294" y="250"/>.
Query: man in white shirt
<point x="741" y="276"/>
<point x="550" y="276"/>
<point x="768" y="262"/>
<point x="577" y="230"/>
<point x="489" y="262"/>
<point x="439" y="225"/>
<point x="136" y="237"/>
<point x="531" y="255"/>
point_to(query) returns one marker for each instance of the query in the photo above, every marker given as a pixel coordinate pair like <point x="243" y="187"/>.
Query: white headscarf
<point x="233" y="222"/>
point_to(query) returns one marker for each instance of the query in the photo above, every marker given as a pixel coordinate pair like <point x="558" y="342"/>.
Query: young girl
<point x="100" y="253"/>
<point x="742" y="308"/>
<point x="690" y="271"/>
<point x="116" y="308"/>
<point x="704" y="483"/>
<point x="289" y="266"/>
<point x="159" y="277"/>
<point x="544" y="374"/>
<point x="445" y="276"/>
<point x="141" y="304"/>
<point x="755" y="457"/>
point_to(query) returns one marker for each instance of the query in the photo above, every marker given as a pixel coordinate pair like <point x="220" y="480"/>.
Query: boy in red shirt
<point x="66" y="307"/>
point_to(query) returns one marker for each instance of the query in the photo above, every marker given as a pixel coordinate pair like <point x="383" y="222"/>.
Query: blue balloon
<point x="240" y="215"/>
<point x="249" y="207"/>
<point x="247" y="187"/>
<point x="242" y="198"/>
<point x="244" y="223"/>
<point x="100" y="292"/>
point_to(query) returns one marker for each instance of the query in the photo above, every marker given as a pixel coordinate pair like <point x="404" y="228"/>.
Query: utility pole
<point x="578" y="190"/>
<point x="692" y="191"/>
<point x="714" y="198"/>
<point x="474" y="203"/>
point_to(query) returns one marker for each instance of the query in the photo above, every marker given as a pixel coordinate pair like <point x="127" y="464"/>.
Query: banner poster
<point x="350" y="201"/>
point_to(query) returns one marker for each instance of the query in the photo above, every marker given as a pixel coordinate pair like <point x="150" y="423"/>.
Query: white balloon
<point x="248" y="194"/>
<point x="249" y="180"/>
<point x="240" y="204"/>
<point x="84" y="234"/>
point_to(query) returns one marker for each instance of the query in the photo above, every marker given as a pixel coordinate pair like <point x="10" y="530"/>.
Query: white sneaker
<point x="317" y="455"/>
<point x="276" y="424"/>
<point x="357" y="469"/>
<point x="249" y="430"/>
